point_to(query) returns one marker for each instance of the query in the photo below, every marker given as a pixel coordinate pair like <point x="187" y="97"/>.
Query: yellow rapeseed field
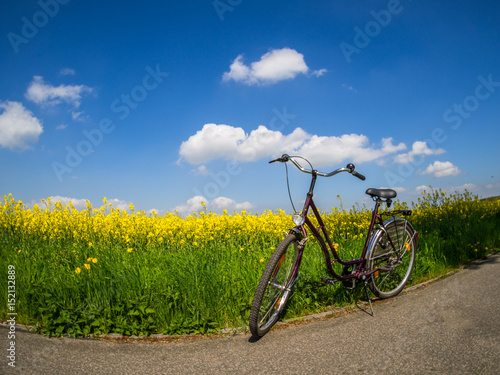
<point x="135" y="229"/>
<point x="105" y="269"/>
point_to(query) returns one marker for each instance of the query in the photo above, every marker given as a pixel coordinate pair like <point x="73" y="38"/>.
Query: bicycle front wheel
<point x="275" y="286"/>
<point x="392" y="256"/>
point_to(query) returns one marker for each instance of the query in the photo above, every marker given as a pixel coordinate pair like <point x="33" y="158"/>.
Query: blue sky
<point x="167" y="104"/>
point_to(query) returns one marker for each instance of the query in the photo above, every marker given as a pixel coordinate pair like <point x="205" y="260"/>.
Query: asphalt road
<point x="448" y="327"/>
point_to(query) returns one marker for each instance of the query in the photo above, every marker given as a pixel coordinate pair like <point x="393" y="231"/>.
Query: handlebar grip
<point x="358" y="175"/>
<point x="284" y="158"/>
<point x="351" y="167"/>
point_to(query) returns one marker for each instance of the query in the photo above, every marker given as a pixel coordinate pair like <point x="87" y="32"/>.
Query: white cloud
<point x="121" y="204"/>
<point x="492" y="186"/>
<point x="230" y="205"/>
<point x="418" y="148"/>
<point x="155" y="211"/>
<point x="237" y="71"/>
<point x="228" y="142"/>
<point x="42" y="93"/>
<point x="398" y="189"/>
<point x="81" y="204"/>
<point x="442" y="169"/>
<point x="472" y="188"/>
<point x="274" y="66"/>
<point x="67" y="72"/>
<point x="322" y="150"/>
<point x="201" y="170"/>
<point x="469" y="187"/>
<point x="18" y="126"/>
<point x="218" y="204"/>
<point x="423" y="188"/>
<point x="349" y="87"/>
<point x="193" y="204"/>
<point x="78" y="116"/>
<point x="319" y="73"/>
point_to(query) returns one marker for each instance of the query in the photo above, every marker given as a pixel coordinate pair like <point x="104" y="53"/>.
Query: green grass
<point x="193" y="289"/>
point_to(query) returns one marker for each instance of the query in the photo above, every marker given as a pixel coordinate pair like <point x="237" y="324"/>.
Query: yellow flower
<point x="94" y="260"/>
<point x="89" y="259"/>
<point x="87" y="266"/>
<point x="129" y="250"/>
<point x="20" y="250"/>
<point x="261" y="260"/>
<point x="78" y="270"/>
<point x="90" y="244"/>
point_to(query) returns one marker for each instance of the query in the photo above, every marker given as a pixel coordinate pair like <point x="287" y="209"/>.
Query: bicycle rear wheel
<point x="392" y="256"/>
<point x="275" y="286"/>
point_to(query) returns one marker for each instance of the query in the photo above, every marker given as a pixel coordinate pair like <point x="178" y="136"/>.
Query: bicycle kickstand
<point x="368" y="296"/>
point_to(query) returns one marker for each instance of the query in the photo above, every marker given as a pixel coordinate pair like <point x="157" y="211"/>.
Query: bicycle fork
<point x="295" y="271"/>
<point x="301" y="246"/>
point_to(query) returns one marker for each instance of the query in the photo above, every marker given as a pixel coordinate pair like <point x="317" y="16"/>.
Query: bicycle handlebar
<point x="349" y="168"/>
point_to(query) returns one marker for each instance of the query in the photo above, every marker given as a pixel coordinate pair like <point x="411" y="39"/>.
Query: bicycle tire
<point x="392" y="259"/>
<point x="275" y="286"/>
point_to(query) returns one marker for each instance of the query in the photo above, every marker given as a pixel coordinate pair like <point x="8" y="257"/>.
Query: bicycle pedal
<point x="329" y="280"/>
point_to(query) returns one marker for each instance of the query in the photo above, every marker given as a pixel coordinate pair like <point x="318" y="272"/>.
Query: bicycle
<point x="385" y="264"/>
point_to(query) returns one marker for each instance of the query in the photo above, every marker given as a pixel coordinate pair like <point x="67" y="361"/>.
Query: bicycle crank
<point x="346" y="271"/>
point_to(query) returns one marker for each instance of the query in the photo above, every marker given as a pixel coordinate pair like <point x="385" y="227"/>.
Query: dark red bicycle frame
<point x="309" y="203"/>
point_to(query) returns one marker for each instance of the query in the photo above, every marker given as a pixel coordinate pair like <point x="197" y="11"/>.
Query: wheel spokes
<point x="278" y="289"/>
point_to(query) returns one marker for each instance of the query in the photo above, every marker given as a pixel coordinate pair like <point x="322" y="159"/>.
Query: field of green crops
<point x="105" y="270"/>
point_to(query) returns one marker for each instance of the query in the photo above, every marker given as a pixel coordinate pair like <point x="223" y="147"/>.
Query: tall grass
<point x="104" y="270"/>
